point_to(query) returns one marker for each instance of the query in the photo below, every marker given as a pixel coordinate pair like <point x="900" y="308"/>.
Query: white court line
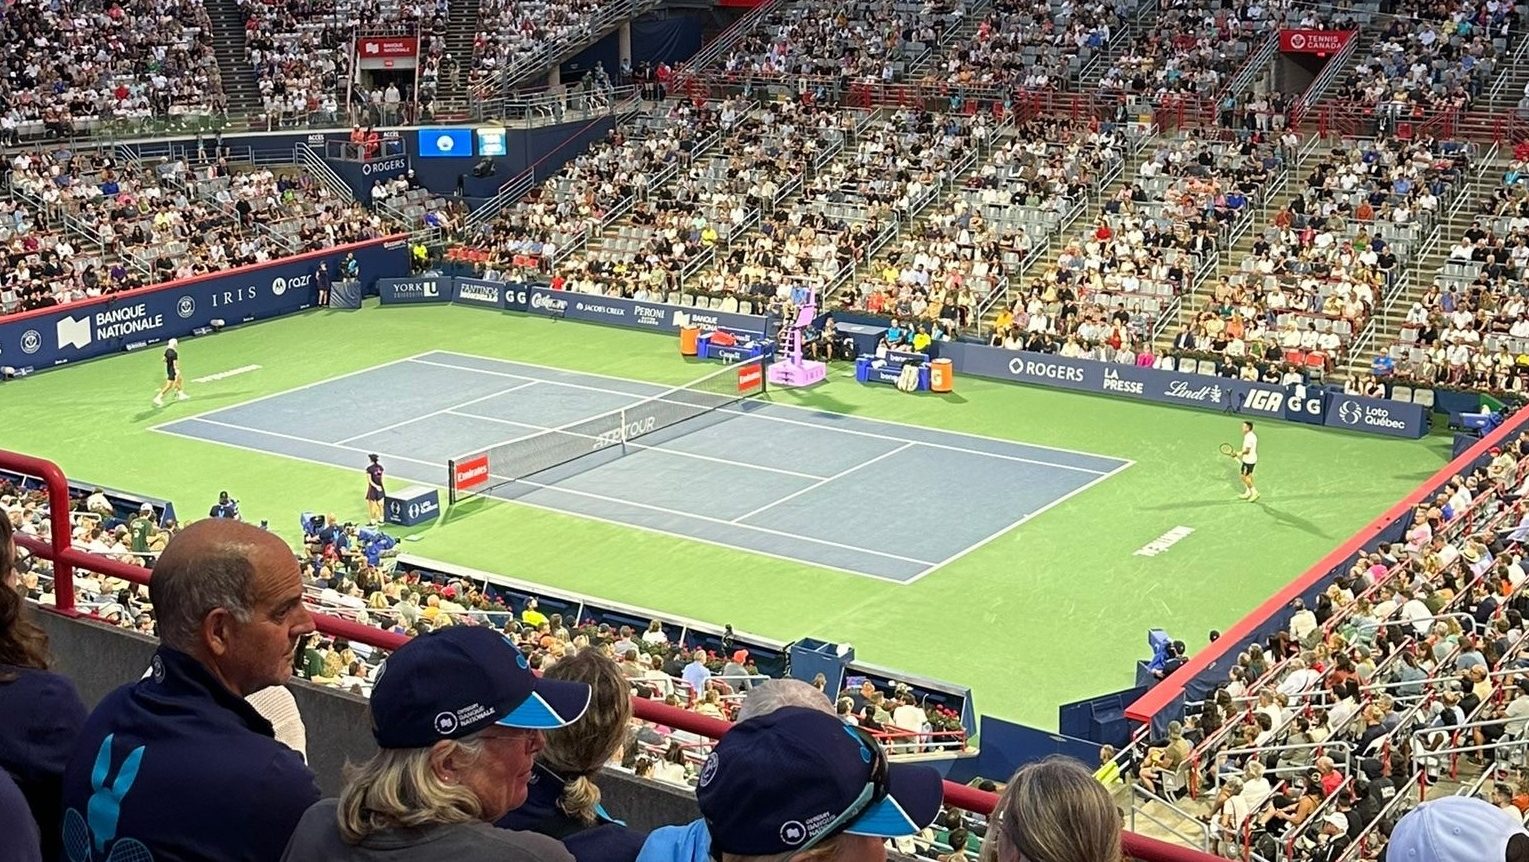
<point x="224" y="375"/>
<point x="813" y="410"/>
<point x="1054" y="503"/>
<point x="821" y="425"/>
<point x="658" y="531"/>
<point x="824" y="481"/>
<point x="710" y="520"/>
<point x="295" y="439"/>
<point x="440" y="412"/>
<point x="260" y="398"/>
<point x="681" y="453"/>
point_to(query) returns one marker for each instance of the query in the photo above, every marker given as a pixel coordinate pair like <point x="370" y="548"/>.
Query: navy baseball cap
<point x="785" y="781"/>
<point x="459" y="680"/>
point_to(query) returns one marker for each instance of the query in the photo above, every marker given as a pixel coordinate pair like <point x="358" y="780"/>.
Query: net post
<point x="622" y="420"/>
<point x="451" y="481"/>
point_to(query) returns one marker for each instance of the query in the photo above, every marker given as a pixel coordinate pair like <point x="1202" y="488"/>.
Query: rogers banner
<point x="387" y="52"/>
<point x="1314" y="41"/>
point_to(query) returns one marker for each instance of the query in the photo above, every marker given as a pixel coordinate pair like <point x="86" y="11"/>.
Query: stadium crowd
<point x="1408" y="670"/>
<point x="865" y="41"/>
<point x="585" y="675"/>
<point x="1470" y="328"/>
<point x="122" y="61"/>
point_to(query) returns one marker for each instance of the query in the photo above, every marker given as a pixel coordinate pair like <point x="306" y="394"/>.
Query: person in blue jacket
<point x="177" y="766"/>
<point x="40" y="712"/>
<point x="794" y="780"/>
<point x="562" y="799"/>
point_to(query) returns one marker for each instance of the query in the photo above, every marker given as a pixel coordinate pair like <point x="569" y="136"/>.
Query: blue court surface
<point x="863" y="496"/>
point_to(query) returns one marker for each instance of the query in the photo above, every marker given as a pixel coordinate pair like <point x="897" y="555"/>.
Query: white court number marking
<point x="1163" y="542"/>
<point x="224" y="375"/>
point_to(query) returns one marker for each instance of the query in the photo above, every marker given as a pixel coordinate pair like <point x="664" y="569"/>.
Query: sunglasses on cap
<point x="877" y="789"/>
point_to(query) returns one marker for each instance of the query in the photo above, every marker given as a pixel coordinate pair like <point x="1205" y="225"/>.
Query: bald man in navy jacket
<point x="178" y="765"/>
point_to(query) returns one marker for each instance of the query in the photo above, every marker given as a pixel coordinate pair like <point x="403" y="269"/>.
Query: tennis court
<point x="863" y="496"/>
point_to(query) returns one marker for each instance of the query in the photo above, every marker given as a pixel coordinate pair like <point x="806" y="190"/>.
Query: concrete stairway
<point x="1387" y="324"/>
<point x="1054" y="243"/>
<point x="239" y="81"/>
<point x="451" y="102"/>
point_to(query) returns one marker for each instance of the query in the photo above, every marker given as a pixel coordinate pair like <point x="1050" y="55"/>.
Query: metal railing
<point x="65" y="559"/>
<point x="506" y="77"/>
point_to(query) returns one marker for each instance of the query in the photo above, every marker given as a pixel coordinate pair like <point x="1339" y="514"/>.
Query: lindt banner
<point x="1314" y="41"/>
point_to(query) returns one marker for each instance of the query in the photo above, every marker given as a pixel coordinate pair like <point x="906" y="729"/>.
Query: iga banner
<point x="1252" y="399"/>
<point x="1314" y="41"/>
<point x="425" y="288"/>
<point x="37" y="340"/>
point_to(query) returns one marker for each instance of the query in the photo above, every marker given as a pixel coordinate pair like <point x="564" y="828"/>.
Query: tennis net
<point x="482" y="471"/>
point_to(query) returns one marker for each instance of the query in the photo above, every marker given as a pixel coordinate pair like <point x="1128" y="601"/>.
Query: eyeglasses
<point x="875" y="790"/>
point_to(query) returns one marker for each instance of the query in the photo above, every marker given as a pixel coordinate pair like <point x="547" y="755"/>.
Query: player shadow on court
<point x="1280" y="516"/>
<point x="177" y="410"/>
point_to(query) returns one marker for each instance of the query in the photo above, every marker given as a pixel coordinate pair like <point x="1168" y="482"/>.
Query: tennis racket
<point x="1228" y="450"/>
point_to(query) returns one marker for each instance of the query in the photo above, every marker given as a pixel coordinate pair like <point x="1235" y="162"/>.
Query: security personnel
<point x="177" y="766"/>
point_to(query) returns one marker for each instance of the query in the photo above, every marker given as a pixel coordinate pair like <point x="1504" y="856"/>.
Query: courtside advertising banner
<point x="1377" y="416"/>
<point x="38" y="340"/>
<point x="1251" y="399"/>
<point x="476" y="291"/>
<point x="656" y="316"/>
<point x="425" y="288"/>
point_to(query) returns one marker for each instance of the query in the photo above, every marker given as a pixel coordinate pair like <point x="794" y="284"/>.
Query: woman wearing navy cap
<point x="40" y="710"/>
<point x="459" y="717"/>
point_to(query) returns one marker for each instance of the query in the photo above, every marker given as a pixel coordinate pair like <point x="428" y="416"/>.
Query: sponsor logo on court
<point x="185" y="307"/>
<point x="74" y="332"/>
<point x="472" y="472"/>
<point x="625" y="432"/>
<point x="647" y="316"/>
<point x="1163" y="542"/>
<point x="31" y="341"/>
<point x="599" y="308"/>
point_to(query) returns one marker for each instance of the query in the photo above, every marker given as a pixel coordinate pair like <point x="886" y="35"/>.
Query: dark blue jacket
<point x="18" y="831"/>
<point x="608" y="840"/>
<point x="41" y="715"/>
<point x="179" y="764"/>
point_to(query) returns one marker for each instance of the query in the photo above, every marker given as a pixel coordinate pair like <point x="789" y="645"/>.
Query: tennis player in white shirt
<point x="1249" y="458"/>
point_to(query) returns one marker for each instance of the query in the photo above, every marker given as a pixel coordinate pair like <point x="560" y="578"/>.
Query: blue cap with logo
<point x="458" y="681"/>
<point x="788" y="780"/>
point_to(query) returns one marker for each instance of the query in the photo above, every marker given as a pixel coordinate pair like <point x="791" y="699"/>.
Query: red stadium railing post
<point x="58" y="517"/>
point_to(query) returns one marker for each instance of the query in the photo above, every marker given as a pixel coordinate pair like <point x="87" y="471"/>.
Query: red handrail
<point x="66" y="558"/>
<point x="1146" y="707"/>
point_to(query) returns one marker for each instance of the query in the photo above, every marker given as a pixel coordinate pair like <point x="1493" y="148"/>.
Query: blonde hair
<point x="398" y="789"/>
<point x="577" y="752"/>
<point x="1054" y="811"/>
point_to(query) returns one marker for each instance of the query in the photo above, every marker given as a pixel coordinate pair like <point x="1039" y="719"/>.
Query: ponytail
<point x="580" y="800"/>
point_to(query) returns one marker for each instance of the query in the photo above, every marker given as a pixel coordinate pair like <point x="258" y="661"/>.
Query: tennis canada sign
<point x="1308" y="404"/>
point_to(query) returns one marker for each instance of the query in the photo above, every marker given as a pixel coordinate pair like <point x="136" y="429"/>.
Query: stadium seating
<point x="1399" y="679"/>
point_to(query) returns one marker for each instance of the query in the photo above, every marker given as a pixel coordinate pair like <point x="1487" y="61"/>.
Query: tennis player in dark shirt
<point x="374" y="492"/>
<point x="173" y="378"/>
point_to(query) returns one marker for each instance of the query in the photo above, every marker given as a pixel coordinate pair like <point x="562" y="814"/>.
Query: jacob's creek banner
<point x="37" y="340"/>
<point x="1251" y="399"/>
<point x="589" y="308"/>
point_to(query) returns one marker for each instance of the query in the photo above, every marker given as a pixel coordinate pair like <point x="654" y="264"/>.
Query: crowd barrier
<point x="1208" y="667"/>
<point x="1310" y="404"/>
<point x="46" y="338"/>
<point x="539" y="299"/>
<point x="66" y="558"/>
